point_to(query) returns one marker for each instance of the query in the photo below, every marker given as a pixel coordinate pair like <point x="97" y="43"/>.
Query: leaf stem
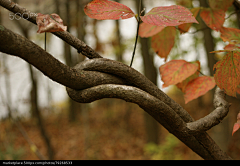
<point x="45" y="42"/>
<point x="201" y="72"/>
<point x="138" y="20"/>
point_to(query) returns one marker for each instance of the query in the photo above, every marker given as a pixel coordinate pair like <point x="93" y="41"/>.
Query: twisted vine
<point x="143" y="92"/>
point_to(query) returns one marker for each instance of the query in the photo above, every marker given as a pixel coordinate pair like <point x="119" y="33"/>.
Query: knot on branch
<point x="117" y="80"/>
<point x="121" y="81"/>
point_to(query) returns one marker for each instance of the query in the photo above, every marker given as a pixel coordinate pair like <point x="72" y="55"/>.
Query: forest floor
<point x="106" y="130"/>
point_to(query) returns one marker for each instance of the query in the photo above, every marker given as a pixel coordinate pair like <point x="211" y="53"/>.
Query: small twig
<point x="138" y="20"/>
<point x="201" y="72"/>
<point x="45" y="42"/>
<point x="238" y="11"/>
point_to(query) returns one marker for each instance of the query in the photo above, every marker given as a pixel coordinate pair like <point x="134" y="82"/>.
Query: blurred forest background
<point x="39" y="121"/>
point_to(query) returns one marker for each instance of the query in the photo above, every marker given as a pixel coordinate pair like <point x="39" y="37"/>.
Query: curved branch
<point x="215" y="117"/>
<point x="66" y="36"/>
<point x="165" y="115"/>
<point x="17" y="45"/>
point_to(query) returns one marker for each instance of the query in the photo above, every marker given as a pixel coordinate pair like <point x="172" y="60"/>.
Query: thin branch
<point x="66" y="36"/>
<point x="17" y="45"/>
<point x="138" y="23"/>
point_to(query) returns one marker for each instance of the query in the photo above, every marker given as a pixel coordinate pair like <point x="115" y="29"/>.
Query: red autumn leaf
<point x="231" y="47"/>
<point x="176" y="71"/>
<point x="185" y="27"/>
<point x="235" y="128"/>
<point x="231" y="35"/>
<point x="169" y="16"/>
<point x="49" y="23"/>
<point x="163" y="42"/>
<point x="198" y="87"/>
<point x="148" y="30"/>
<point x="227" y="74"/>
<point x="221" y="51"/>
<point x="104" y="9"/>
<point x="220" y="4"/>
<point x="182" y="85"/>
<point x="214" y="18"/>
<point x="237" y="124"/>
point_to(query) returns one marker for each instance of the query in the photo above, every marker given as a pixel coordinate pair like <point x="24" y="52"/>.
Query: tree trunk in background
<point x="152" y="127"/>
<point x="69" y="58"/>
<point x="8" y="99"/>
<point x="119" y="51"/>
<point x="37" y="114"/>
<point x="80" y="24"/>
<point x="221" y="132"/>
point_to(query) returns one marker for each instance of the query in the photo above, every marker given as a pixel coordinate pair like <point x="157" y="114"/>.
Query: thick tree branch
<point x="136" y="78"/>
<point x="17" y="45"/>
<point x="66" y="36"/>
<point x="215" y="117"/>
<point x="165" y="115"/>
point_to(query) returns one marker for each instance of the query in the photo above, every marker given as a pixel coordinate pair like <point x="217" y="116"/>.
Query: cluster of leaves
<point x="160" y="24"/>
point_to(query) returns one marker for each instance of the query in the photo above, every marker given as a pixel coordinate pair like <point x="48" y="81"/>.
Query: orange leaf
<point x="182" y="85"/>
<point x="104" y="9"/>
<point x="230" y="34"/>
<point x="227" y="75"/>
<point x="231" y="47"/>
<point x="221" y="51"/>
<point x="175" y="71"/>
<point x="235" y="128"/>
<point x="148" y="30"/>
<point x="168" y="16"/>
<point x="49" y="23"/>
<point x="163" y="42"/>
<point x="237" y="124"/>
<point x="185" y="27"/>
<point x="214" y="18"/>
<point x="198" y="87"/>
